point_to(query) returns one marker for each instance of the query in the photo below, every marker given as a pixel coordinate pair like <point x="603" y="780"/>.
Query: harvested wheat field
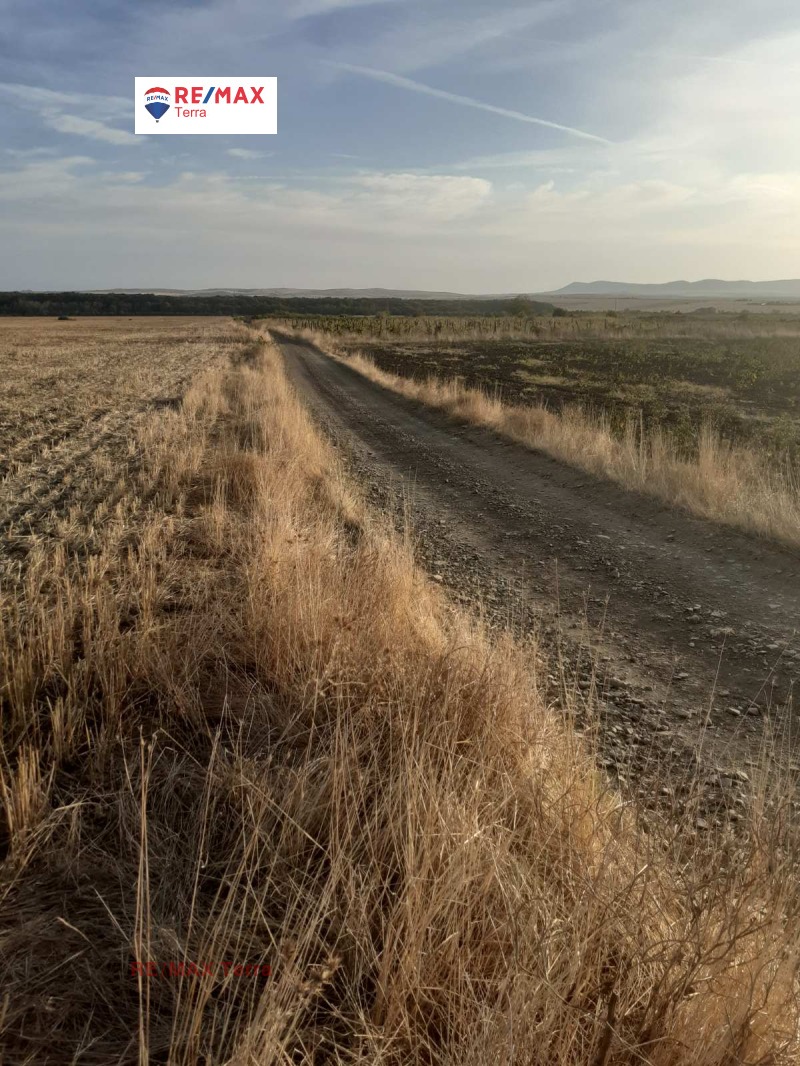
<point x="269" y="797"/>
<point x="77" y="396"/>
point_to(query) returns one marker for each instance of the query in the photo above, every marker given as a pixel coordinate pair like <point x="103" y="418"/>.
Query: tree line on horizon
<point x="89" y="303"/>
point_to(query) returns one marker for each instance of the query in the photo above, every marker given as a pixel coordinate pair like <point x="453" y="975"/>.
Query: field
<point x="706" y="422"/>
<point x="680" y="373"/>
<point x="270" y="796"/>
<point x="76" y="398"/>
<point x="749" y="390"/>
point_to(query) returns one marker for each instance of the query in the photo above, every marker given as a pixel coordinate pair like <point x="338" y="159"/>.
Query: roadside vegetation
<point x="718" y="462"/>
<point x="250" y="731"/>
<point x="739" y="376"/>
<point x="524" y="320"/>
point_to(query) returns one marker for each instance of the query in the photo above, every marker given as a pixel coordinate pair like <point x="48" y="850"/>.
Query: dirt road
<point x="684" y="631"/>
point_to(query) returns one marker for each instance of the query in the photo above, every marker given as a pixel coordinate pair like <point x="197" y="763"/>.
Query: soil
<point x="746" y="387"/>
<point x="78" y="396"/>
<point x="676" y="636"/>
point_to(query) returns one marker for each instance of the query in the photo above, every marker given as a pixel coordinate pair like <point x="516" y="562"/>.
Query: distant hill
<point x="710" y="287"/>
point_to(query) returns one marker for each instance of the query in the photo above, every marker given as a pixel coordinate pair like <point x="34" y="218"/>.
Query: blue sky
<point x="472" y="146"/>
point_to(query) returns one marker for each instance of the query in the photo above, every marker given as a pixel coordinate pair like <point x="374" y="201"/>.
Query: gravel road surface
<point x="682" y="634"/>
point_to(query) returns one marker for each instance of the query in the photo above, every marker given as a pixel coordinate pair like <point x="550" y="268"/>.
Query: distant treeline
<point x="117" y="303"/>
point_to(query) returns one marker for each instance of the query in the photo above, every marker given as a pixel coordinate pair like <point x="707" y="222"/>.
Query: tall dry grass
<point x="736" y="485"/>
<point x="581" y="326"/>
<point x="259" y="735"/>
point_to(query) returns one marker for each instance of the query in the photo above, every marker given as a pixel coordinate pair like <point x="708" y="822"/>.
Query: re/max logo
<point x="197" y="104"/>
<point x="197" y="94"/>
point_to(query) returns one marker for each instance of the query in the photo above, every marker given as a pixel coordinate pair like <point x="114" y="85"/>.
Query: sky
<point x="483" y="146"/>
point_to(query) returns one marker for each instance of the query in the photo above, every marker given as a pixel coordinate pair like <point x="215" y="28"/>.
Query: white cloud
<point x="415" y="196"/>
<point x="36" y="98"/>
<point x="87" y="127"/>
<point x="29" y="153"/>
<point x="248" y="153"/>
<point x="51" y="107"/>
<point x="742" y="111"/>
<point x="125" y="177"/>
<point x="305" y="8"/>
<point x="389" y="204"/>
<point x="45" y="181"/>
<point x="444" y="230"/>
<point x="405" y="229"/>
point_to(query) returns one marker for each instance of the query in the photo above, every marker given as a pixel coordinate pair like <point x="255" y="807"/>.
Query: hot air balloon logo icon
<point x="156" y="100"/>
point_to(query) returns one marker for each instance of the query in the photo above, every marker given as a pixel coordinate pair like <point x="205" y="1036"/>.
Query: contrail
<point x="465" y="101"/>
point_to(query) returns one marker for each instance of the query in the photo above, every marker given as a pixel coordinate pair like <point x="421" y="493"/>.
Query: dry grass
<point x="256" y="733"/>
<point x="736" y="485"/>
<point x="581" y="326"/>
<point x="76" y="398"/>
